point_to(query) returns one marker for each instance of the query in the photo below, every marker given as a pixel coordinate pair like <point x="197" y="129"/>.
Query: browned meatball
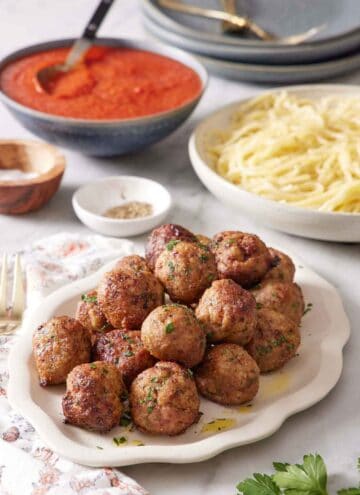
<point x="164" y="399"/>
<point x="59" y="345"/>
<point x="172" y="333"/>
<point x="126" y="297"/>
<point x="227" y="312"/>
<point x="133" y="263"/>
<point x="92" y="399"/>
<point x="163" y="235"/>
<point x="241" y="257"/>
<point x="186" y="270"/>
<point x="283" y="268"/>
<point x="275" y="341"/>
<point x="284" y="297"/>
<point x="126" y="351"/>
<point x="228" y="375"/>
<point x="90" y="315"/>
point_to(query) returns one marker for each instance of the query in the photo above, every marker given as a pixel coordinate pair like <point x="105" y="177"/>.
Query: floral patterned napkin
<point x="27" y="466"/>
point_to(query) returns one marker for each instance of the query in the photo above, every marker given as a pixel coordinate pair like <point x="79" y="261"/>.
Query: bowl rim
<point x="158" y="13"/>
<point x="56" y="170"/>
<point x="123" y="221"/>
<point x="176" y="54"/>
<point x="199" y="163"/>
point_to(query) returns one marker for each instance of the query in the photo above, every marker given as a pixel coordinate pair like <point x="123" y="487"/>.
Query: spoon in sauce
<point x="46" y="76"/>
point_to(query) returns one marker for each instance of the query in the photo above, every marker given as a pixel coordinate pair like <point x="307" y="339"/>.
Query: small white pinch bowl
<point x="92" y="200"/>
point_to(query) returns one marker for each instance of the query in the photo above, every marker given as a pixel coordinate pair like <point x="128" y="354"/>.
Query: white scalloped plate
<point x="299" y="385"/>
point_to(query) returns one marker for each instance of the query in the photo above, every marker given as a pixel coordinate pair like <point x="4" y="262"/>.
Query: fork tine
<point x="18" y="293"/>
<point x="3" y="286"/>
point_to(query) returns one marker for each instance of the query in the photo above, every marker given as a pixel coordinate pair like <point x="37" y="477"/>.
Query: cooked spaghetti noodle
<point x="294" y="150"/>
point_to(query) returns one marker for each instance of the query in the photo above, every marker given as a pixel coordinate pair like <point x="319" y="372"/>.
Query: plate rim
<point x="296" y="69"/>
<point x="19" y="391"/>
<point x="148" y="6"/>
<point x="244" y="54"/>
<point x="315" y="68"/>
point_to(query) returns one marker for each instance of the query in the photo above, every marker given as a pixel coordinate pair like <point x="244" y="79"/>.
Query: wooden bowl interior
<point x="28" y="194"/>
<point x="34" y="157"/>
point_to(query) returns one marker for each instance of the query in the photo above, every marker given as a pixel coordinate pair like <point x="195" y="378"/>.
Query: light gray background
<point x="333" y="426"/>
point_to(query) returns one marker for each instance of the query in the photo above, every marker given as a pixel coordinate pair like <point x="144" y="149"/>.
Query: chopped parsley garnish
<point x="125" y="419"/>
<point x="154" y="379"/>
<point x="204" y="258"/>
<point x="93" y="366"/>
<point x="308" y="308"/>
<point x="170" y="245"/>
<point x="128" y="353"/>
<point x="170" y="327"/>
<point x="171" y="269"/>
<point x="280" y="340"/>
<point x="149" y="396"/>
<point x="127" y="337"/>
<point x="150" y="400"/>
<point x="211" y="277"/>
<point x="263" y="349"/>
<point x="88" y="299"/>
<point x="203" y="246"/>
<point x="119" y="440"/>
<point x="190" y="372"/>
<point x="258" y="305"/>
<point x="100" y="448"/>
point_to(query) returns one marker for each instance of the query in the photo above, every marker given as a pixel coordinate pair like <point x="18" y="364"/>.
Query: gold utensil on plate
<point x="241" y="22"/>
<point x="229" y="6"/>
<point x="11" y="318"/>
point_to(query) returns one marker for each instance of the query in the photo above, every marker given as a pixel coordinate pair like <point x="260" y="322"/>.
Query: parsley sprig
<point x="308" y="478"/>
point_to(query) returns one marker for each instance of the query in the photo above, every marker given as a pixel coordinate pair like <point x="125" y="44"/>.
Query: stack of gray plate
<point x="335" y="50"/>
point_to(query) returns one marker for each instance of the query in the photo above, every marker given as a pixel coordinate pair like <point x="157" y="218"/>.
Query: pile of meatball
<point x="232" y="311"/>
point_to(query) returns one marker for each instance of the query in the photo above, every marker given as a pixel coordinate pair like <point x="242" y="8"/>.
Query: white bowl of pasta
<point x="290" y="159"/>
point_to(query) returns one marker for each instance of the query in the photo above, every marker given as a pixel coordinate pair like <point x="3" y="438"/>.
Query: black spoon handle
<point x="96" y="19"/>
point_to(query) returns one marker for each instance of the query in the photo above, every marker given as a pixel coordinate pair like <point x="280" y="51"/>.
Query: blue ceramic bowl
<point x="105" y="137"/>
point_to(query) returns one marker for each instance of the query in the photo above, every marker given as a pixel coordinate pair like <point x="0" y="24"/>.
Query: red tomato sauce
<point x="111" y="83"/>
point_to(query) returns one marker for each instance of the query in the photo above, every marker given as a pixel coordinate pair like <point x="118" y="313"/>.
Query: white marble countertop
<point x="332" y="426"/>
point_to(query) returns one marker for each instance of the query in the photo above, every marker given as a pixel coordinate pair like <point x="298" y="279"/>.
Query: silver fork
<point x="11" y="315"/>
